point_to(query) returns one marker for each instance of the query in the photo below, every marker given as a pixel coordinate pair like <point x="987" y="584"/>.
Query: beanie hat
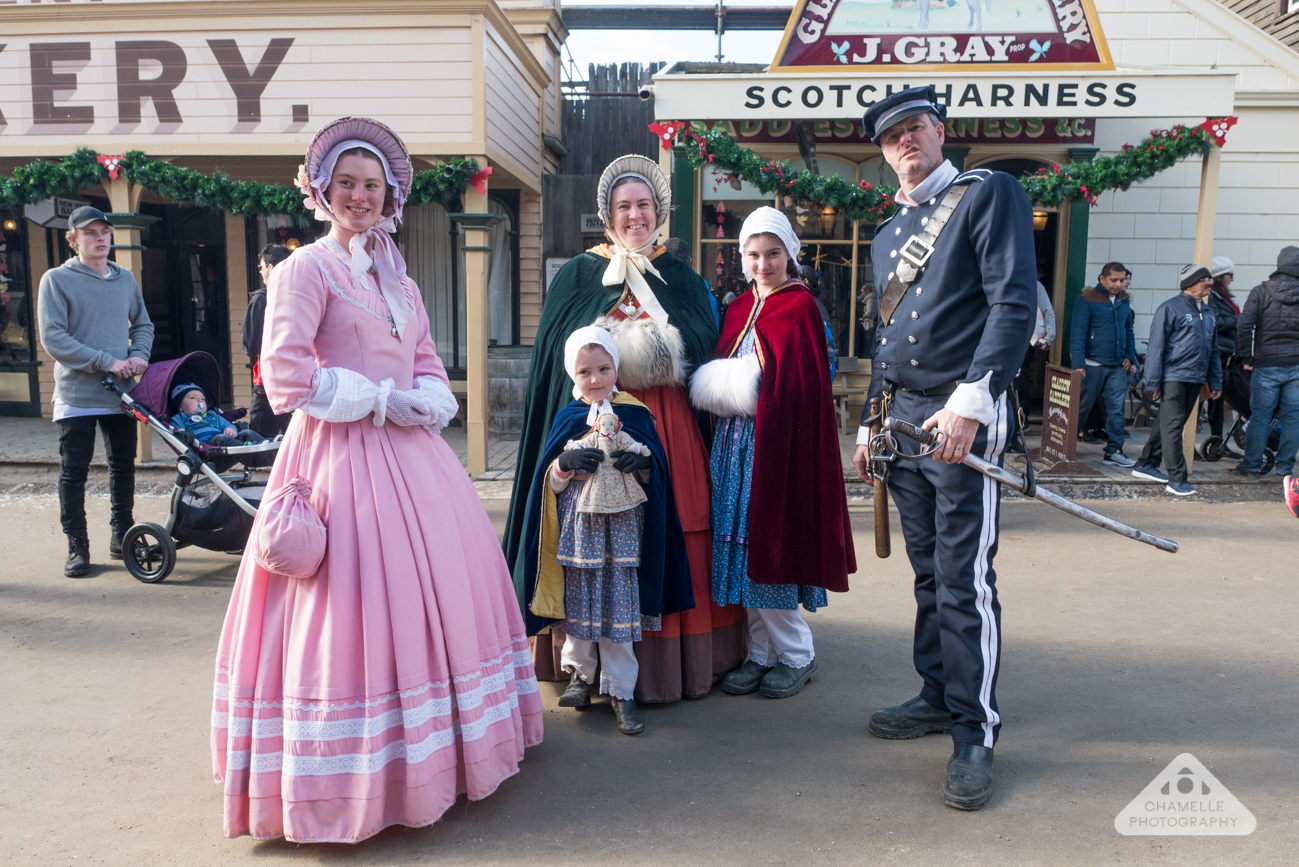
<point x="1221" y="265"/>
<point x="1190" y="275"/>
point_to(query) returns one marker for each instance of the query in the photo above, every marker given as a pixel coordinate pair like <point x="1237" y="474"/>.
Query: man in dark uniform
<point x="957" y="311"/>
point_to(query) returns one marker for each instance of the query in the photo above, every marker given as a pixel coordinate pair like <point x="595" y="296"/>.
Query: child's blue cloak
<point x="664" y="571"/>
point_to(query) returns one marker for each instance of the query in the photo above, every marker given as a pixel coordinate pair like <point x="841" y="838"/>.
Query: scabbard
<point x="883" y="543"/>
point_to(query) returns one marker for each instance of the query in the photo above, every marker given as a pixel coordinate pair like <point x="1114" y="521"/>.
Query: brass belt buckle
<point x="916" y="251"/>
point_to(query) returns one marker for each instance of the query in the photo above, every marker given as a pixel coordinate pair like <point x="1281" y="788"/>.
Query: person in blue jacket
<point x="1182" y="355"/>
<point x="1104" y="349"/>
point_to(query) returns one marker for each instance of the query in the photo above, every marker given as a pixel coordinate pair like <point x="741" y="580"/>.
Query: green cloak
<point x="576" y="298"/>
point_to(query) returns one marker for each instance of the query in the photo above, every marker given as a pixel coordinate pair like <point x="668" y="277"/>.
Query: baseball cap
<point x="84" y="216"/>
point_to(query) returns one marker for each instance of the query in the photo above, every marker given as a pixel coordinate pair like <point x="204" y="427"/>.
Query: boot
<point x="784" y="680"/>
<point x="78" y="557"/>
<point x="969" y="777"/>
<point x="629" y="721"/>
<point x="744" y="679"/>
<point x="578" y="693"/>
<point x="115" y="541"/>
<point x="912" y="719"/>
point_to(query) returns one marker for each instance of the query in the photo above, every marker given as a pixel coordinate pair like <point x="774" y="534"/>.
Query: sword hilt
<point x="907" y="429"/>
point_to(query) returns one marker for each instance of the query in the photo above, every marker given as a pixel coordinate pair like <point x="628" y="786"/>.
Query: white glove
<point x="408" y="408"/>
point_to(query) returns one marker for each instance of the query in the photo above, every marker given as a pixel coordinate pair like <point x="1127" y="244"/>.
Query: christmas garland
<point x="84" y="168"/>
<point x="864" y="201"/>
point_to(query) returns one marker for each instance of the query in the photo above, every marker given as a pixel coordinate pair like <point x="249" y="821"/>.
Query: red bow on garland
<point x="112" y="164"/>
<point x="479" y="180"/>
<point x="667" y="133"/>
<point x="1217" y="128"/>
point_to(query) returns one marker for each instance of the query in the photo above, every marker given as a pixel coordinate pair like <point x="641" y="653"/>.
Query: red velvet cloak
<point x="799" y="530"/>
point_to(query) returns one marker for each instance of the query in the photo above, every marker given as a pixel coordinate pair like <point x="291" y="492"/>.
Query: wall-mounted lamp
<point x="11" y="225"/>
<point x="1039" y="220"/>
<point x="292" y="243"/>
<point x="828" y="217"/>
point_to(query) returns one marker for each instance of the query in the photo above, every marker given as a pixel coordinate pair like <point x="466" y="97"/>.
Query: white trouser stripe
<point x="988" y="644"/>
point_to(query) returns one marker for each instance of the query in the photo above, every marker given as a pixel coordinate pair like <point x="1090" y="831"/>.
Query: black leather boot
<point x="969" y="777"/>
<point x="914" y="719"/>
<point x="115" y="541"/>
<point x="78" y="557"/>
<point x="578" y="693"/>
<point x="629" y="721"/>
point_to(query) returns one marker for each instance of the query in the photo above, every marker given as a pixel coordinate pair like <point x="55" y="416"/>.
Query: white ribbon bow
<point x="629" y="266"/>
<point x="598" y="409"/>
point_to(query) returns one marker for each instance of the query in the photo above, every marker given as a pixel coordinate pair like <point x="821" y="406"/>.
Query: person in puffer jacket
<point x="1267" y="339"/>
<point x="1103" y="348"/>
<point x="1225" y="309"/>
<point x="1181" y="356"/>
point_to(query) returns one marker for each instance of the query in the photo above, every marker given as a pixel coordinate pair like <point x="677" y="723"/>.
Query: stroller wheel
<point x="1269" y="461"/>
<point x="149" y="553"/>
<point x="1213" y="449"/>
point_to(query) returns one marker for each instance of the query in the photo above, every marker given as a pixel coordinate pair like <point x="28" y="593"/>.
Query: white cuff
<point x="863" y="435"/>
<point x="343" y="395"/>
<point x="974" y="400"/>
<point x="442" y="403"/>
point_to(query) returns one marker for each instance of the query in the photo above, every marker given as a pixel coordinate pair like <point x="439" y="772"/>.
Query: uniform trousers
<point x="618" y="666"/>
<point x="950" y="517"/>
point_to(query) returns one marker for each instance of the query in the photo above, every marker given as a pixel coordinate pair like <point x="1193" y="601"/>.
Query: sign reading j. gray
<point x="1129" y="93"/>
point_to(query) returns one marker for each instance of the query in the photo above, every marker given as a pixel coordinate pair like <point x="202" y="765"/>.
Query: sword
<point x="1020" y="483"/>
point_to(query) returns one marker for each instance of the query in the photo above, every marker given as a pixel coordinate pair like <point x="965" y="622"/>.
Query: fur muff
<point x="651" y="353"/>
<point x="727" y="387"/>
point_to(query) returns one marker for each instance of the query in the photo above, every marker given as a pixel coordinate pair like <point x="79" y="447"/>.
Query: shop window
<point x="430" y="244"/>
<point x="503" y="270"/>
<point x="16" y="310"/>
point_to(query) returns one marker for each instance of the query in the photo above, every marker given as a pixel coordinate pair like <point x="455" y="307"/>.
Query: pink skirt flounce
<point x="399" y="676"/>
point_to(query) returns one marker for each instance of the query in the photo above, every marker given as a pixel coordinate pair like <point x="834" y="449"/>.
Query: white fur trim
<point x="727" y="387"/>
<point x="652" y="353"/>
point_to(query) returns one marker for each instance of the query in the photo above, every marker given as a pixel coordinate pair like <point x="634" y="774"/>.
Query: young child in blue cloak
<point x="606" y="554"/>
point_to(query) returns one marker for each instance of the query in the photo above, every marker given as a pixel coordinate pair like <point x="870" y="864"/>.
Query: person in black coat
<point x="261" y="417"/>
<point x="1224" y="308"/>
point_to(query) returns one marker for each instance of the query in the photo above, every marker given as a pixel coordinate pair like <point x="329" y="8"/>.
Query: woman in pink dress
<point x="399" y="676"/>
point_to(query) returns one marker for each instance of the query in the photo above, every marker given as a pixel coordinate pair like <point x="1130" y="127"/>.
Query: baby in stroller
<point x="207" y="424"/>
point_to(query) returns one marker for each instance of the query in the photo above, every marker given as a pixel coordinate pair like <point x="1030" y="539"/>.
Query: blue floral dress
<point x="732" y="472"/>
<point x="600" y="553"/>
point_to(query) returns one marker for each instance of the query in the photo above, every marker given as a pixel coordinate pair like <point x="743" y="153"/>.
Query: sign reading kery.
<point x="943" y="34"/>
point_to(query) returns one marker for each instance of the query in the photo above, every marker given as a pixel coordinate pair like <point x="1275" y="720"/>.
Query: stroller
<point x="210" y="507"/>
<point x="1235" y="390"/>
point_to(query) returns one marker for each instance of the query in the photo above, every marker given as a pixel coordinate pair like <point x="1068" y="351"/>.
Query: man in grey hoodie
<point x="1267" y="338"/>
<point x="92" y="322"/>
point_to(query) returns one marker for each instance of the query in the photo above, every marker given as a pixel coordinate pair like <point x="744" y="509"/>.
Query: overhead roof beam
<point x="624" y="17"/>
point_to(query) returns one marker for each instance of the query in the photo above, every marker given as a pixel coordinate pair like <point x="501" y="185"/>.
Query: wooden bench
<point x="842" y="394"/>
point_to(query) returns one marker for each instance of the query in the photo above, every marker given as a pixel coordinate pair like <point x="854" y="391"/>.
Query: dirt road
<point x="1117" y="659"/>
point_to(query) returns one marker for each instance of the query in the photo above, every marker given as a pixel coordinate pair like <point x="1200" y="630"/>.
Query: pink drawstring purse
<point x="288" y="536"/>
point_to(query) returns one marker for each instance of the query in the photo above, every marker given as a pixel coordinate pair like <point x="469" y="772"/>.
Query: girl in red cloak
<point x="781" y="533"/>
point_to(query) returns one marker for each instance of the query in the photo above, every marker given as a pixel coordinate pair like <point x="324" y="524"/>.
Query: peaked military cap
<point x="899" y="106"/>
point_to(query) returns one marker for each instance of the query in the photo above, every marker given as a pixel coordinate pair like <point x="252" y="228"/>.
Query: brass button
<point x="915" y="315"/>
<point x="920" y="289"/>
<point x="897" y="231"/>
<point x="884" y="341"/>
<point x="911" y="338"/>
<point x="915" y="363"/>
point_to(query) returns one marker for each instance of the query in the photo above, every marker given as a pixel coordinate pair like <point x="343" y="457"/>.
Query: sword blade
<point x="1016" y="481"/>
<point x="1019" y="483"/>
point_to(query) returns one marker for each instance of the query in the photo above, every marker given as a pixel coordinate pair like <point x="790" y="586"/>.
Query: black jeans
<point x="1177" y="399"/>
<point x="262" y="418"/>
<point x="76" y="448"/>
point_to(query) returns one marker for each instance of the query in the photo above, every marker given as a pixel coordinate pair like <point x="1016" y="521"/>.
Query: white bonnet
<point x="767" y="220"/>
<point x="585" y="337"/>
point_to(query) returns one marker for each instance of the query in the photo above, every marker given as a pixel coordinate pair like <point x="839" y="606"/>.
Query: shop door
<point x="199" y="299"/>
